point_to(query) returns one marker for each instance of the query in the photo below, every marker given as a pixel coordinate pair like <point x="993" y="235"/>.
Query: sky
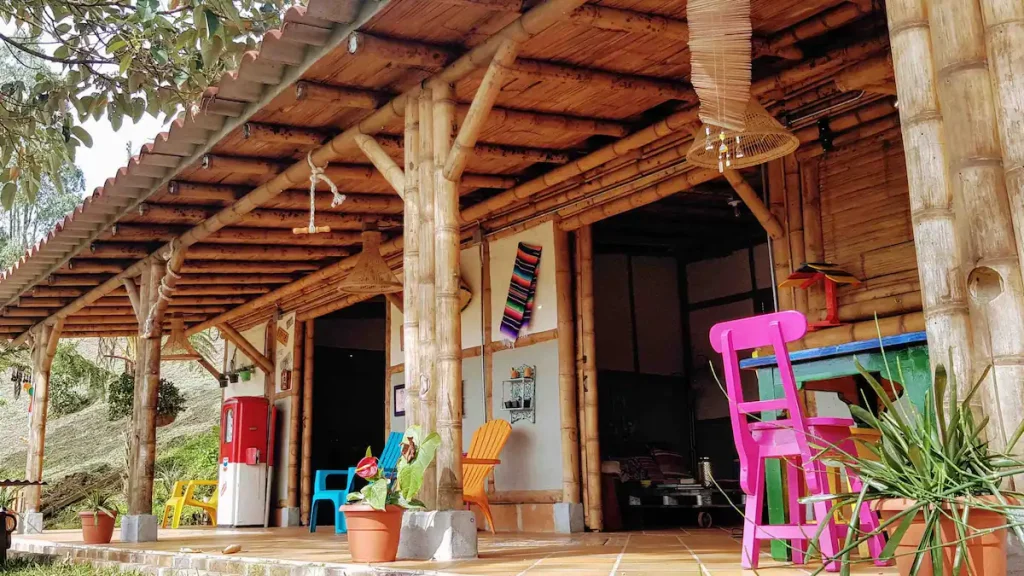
<point x="108" y="152"/>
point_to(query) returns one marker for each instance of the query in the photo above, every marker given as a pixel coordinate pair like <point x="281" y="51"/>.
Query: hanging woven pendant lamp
<point x="177" y="347"/>
<point x="371" y="274"/>
<point x="720" y="59"/>
<point x="763" y="139"/>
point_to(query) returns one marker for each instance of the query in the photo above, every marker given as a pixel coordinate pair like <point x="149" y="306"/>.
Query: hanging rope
<point x="316" y="174"/>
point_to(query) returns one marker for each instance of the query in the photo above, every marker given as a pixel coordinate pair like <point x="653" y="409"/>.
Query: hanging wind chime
<point x="316" y="174"/>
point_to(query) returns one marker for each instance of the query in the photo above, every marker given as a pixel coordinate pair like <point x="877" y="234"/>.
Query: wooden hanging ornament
<point x="316" y="174"/>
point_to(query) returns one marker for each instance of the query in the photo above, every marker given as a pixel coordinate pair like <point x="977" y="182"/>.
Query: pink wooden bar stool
<point x="794" y="438"/>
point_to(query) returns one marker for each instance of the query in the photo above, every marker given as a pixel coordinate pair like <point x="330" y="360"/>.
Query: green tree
<point x="113" y="59"/>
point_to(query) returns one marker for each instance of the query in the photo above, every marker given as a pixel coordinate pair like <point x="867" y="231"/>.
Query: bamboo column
<point x="449" y="319"/>
<point x="590" y="426"/>
<point x="814" y="241"/>
<point x="936" y="238"/>
<point x="410" y="265"/>
<point x="780" y="248"/>
<point x="140" y="501"/>
<point x="295" y="418"/>
<point x="43" y="349"/>
<point x="425" y="285"/>
<point x="485" y="350"/>
<point x="388" y="318"/>
<point x="581" y="412"/>
<point x="981" y="204"/>
<point x="795" y="225"/>
<point x="307" y="420"/>
<point x="567" y="370"/>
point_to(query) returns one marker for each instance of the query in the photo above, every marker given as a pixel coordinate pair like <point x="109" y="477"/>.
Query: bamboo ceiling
<point x="601" y="76"/>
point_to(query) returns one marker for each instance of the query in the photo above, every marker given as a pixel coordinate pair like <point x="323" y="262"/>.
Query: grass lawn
<point x="24" y="567"/>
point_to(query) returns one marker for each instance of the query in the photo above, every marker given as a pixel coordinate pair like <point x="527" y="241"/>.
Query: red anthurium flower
<point x="367" y="467"/>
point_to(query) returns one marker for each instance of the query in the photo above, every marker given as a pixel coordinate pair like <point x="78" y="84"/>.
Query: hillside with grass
<point x="86" y="446"/>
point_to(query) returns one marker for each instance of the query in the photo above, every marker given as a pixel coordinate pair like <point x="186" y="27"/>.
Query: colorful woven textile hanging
<point x="521" y="291"/>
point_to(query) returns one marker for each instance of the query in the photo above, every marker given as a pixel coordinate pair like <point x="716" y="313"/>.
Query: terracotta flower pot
<point x="986" y="554"/>
<point x="165" y="420"/>
<point x="97" y="528"/>
<point x="373" y="534"/>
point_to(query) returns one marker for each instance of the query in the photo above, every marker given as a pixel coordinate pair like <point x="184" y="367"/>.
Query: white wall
<point x="473" y="413"/>
<point x="503" y="256"/>
<point x="237" y="359"/>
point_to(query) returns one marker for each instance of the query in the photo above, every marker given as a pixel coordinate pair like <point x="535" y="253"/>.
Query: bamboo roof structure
<point x="595" y="114"/>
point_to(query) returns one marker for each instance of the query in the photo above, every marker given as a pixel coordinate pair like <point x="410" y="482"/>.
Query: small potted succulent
<point x="245" y="373"/>
<point x="938" y="485"/>
<point x="98" y="518"/>
<point x="374" y="514"/>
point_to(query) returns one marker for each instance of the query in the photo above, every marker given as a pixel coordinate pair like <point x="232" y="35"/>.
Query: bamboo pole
<point x="795" y="223"/>
<point x="780" y="249"/>
<point x="247" y="348"/>
<point x="940" y="255"/>
<point x="133" y="297"/>
<point x="814" y="240"/>
<point x="581" y="411"/>
<point x="382" y="162"/>
<point x="388" y="319"/>
<point x="567" y="370"/>
<point x="448" y="317"/>
<point x="307" y="420"/>
<point x="455" y="162"/>
<point x="410" y="263"/>
<point x="981" y="204"/>
<point x="486" y="352"/>
<point x="531" y="23"/>
<point x="295" y="418"/>
<point x="163" y="293"/>
<point x="424" y="274"/>
<point x="750" y="197"/>
<point x="140" y="500"/>
<point x="591" y="425"/>
<point x="43" y="349"/>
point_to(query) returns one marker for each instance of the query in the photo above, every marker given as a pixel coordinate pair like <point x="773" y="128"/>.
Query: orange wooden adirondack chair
<point x="481" y="459"/>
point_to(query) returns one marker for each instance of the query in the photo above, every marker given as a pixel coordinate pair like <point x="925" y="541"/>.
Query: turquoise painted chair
<point x="388" y="460"/>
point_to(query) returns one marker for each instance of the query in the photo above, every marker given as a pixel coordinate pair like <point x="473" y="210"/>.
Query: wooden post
<point x="581" y="412"/>
<point x="996" y="295"/>
<point x="425" y="285"/>
<point x="795" y="223"/>
<point x="140" y="501"/>
<point x="567" y="370"/>
<point x="295" y="419"/>
<point x="486" y="351"/>
<point x="388" y="318"/>
<point x="307" y="420"/>
<point x="936" y="238"/>
<point x="749" y="196"/>
<point x="590" y="426"/>
<point x="814" y="242"/>
<point x="449" y="317"/>
<point x="780" y="249"/>
<point x="44" y="347"/>
<point x="410" y="265"/>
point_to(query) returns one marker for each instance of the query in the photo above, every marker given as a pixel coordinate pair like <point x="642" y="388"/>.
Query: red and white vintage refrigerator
<point x="245" y="461"/>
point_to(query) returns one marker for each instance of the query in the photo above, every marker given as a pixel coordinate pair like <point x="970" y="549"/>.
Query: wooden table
<point x="902" y="359"/>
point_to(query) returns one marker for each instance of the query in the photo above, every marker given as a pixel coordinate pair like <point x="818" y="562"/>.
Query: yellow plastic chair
<point x="478" y="463"/>
<point x="183" y="494"/>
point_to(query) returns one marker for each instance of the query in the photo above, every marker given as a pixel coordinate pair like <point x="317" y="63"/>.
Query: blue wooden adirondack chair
<point x="388" y="461"/>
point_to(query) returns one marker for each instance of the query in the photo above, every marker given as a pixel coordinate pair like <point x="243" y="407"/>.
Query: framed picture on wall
<point x="399" y="400"/>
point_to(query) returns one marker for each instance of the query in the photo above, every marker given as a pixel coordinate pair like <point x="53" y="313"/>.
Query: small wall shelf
<point x="518" y="394"/>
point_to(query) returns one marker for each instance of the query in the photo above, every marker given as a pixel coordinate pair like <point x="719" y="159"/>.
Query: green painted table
<point x="907" y="356"/>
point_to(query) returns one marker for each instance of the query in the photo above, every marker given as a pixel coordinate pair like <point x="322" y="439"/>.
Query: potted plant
<point x="936" y="483"/>
<point x="98" y="518"/>
<point x="245" y="373"/>
<point x="374" y="514"/>
<point x="121" y="397"/>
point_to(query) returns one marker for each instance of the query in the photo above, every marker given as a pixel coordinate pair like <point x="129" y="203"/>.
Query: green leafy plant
<point x="8" y="497"/>
<point x="100" y="503"/>
<point x="121" y="395"/>
<point x="402" y="489"/>
<point x="938" y="461"/>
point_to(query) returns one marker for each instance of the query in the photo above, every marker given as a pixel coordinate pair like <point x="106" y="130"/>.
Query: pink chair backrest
<point x="775" y="330"/>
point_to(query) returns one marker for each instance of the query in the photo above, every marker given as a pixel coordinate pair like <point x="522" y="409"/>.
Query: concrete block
<point x="31" y="523"/>
<point x="288" y="517"/>
<point x="140" y="528"/>
<point x="568" y="518"/>
<point x="440" y="536"/>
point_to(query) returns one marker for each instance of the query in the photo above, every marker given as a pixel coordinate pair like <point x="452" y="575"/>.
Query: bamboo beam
<point x="133" y="297"/>
<point x="307" y="420"/>
<point x="590" y="425"/>
<point x="43" y="350"/>
<point x="865" y="75"/>
<point x="479" y="110"/>
<point x="543" y="71"/>
<point x="247" y="348"/>
<point x="339" y="96"/>
<point x="295" y="417"/>
<point x="311" y="313"/>
<point x="162" y="298"/>
<point x="243" y="267"/>
<point x="629" y="21"/>
<point x="753" y="201"/>
<point x="645" y="196"/>
<point x="279" y="134"/>
<point x="819" y="24"/>
<point x="380" y="160"/>
<point x="567" y="370"/>
<point x="446" y="274"/>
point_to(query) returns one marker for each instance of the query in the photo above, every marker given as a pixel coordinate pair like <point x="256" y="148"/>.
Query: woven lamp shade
<point x="177" y="347"/>
<point x="763" y="140"/>
<point x="371" y="274"/>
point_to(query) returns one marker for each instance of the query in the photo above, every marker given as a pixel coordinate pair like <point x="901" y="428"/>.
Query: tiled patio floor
<point x="705" y="552"/>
